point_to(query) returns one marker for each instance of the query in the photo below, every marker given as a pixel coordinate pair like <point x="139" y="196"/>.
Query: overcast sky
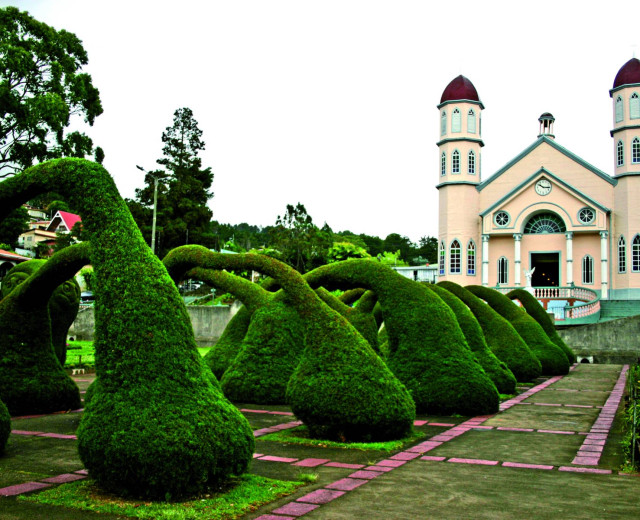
<point x="333" y="103"/>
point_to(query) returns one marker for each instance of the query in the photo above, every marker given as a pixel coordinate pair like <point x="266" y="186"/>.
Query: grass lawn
<point x="241" y="495"/>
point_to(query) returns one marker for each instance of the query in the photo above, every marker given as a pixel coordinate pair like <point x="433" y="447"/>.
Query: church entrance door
<point x="547" y="273"/>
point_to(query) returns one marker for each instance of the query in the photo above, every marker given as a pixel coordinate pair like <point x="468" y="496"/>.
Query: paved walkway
<point x="551" y="452"/>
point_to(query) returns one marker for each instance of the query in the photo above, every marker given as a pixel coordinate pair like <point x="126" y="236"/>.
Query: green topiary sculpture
<point x="427" y="350"/>
<point x="32" y="379"/>
<point x="340" y="388"/>
<point x="553" y="360"/>
<point x="537" y="312"/>
<point x="156" y="425"/>
<point x="5" y="426"/>
<point x="501" y="337"/>
<point x="499" y="373"/>
<point x="63" y="304"/>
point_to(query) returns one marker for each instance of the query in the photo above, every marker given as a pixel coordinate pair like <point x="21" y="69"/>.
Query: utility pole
<point x="155" y="207"/>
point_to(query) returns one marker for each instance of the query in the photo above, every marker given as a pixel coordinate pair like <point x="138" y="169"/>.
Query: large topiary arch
<point x="501" y="337"/>
<point x="32" y="379"/>
<point x="553" y="360"/>
<point x="427" y="350"/>
<point x="537" y="312"/>
<point x="156" y="426"/>
<point x="499" y="373"/>
<point x="340" y="388"/>
<point x="63" y="303"/>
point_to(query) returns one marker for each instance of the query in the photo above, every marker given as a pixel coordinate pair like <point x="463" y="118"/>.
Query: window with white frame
<point x="635" y="151"/>
<point x="443" y="123"/>
<point x="471" y="258"/>
<point x="454" y="257"/>
<point x="620" y="153"/>
<point x="471" y="163"/>
<point x="622" y="255"/>
<point x="635" y="254"/>
<point x="441" y="259"/>
<point x="455" y="162"/>
<point x="443" y="164"/>
<point x="471" y="121"/>
<point x="587" y="270"/>
<point x="456" y="121"/>
<point x="503" y="270"/>
<point x="619" y="109"/>
<point x="634" y="106"/>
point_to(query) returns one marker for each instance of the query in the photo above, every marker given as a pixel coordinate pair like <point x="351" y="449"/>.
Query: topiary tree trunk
<point x="32" y="379"/>
<point x="340" y="388"/>
<point x="157" y="425"/>
<point x="427" y="350"/>
<point x="5" y="426"/>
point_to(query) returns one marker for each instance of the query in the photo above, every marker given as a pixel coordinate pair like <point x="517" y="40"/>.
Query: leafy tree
<point x="182" y="213"/>
<point x="302" y="244"/>
<point x="374" y="245"/>
<point x="391" y="259"/>
<point x="41" y="88"/>
<point x="345" y="250"/>
<point x="427" y="250"/>
<point x="13" y="226"/>
<point x="396" y="242"/>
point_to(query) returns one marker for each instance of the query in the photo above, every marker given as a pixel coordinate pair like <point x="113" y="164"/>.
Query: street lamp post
<point x="155" y="207"/>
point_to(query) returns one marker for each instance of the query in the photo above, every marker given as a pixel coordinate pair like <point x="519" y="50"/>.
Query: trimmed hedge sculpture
<point x="553" y="360"/>
<point x="340" y="388"/>
<point x="221" y="355"/>
<point x="32" y="379"/>
<point x="427" y="350"/>
<point x="5" y="426"/>
<point x="63" y="304"/>
<point x="499" y="373"/>
<point x="156" y="425"/>
<point x="501" y="337"/>
<point x="537" y="312"/>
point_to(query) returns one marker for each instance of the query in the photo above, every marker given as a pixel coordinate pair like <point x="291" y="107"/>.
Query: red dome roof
<point x="628" y="74"/>
<point x="459" y="88"/>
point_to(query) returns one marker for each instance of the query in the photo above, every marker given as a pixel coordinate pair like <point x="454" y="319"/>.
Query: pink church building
<point x="547" y="210"/>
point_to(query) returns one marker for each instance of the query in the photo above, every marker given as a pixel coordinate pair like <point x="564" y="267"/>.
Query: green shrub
<point x="537" y="312"/>
<point x="499" y="373"/>
<point x="157" y="426"/>
<point x="32" y="379"/>
<point x="340" y="388"/>
<point x="427" y="350"/>
<point x="227" y="347"/>
<point x="5" y="426"/>
<point x="552" y="359"/>
<point x="501" y="337"/>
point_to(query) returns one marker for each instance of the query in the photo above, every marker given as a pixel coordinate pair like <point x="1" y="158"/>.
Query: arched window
<point x="456" y="121"/>
<point x="635" y="150"/>
<point x="471" y="121"/>
<point x="443" y="164"/>
<point x="544" y="223"/>
<point x="441" y="259"/>
<point x="471" y="258"/>
<point x="622" y="255"/>
<point x="443" y="123"/>
<point x="635" y="254"/>
<point x="455" y="162"/>
<point x="503" y="271"/>
<point x="634" y="106"/>
<point x="471" y="163"/>
<point x="619" y="109"/>
<point x="587" y="270"/>
<point x="454" y="257"/>
<point x="620" y="153"/>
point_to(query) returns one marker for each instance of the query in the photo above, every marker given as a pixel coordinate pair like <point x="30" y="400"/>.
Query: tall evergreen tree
<point x="183" y="191"/>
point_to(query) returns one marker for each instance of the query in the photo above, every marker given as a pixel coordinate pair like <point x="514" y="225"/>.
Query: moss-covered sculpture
<point x="63" y="304"/>
<point x="340" y="389"/>
<point x="537" y="312"/>
<point x="501" y="337"/>
<point x="499" y="373"/>
<point x="5" y="426"/>
<point x="157" y="426"/>
<point x="553" y="360"/>
<point x="32" y="379"/>
<point x="427" y="350"/>
<point x="229" y="344"/>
